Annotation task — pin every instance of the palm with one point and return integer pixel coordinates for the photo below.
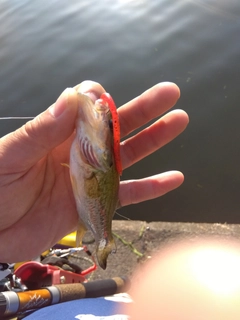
(37, 206)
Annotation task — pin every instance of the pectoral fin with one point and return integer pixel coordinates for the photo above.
(65, 165)
(74, 184)
(80, 234)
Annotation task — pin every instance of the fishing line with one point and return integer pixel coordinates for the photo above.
(16, 118)
(122, 216)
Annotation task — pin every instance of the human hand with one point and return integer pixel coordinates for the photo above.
(37, 206)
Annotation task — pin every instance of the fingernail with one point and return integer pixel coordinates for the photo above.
(86, 88)
(60, 105)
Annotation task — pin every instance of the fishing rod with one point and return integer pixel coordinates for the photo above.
(13, 303)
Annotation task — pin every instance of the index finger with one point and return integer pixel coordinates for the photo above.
(149, 105)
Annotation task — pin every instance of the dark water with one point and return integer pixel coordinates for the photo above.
(128, 46)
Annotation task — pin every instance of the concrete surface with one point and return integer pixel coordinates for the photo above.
(137, 241)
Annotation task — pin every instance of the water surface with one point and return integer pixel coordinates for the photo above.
(128, 46)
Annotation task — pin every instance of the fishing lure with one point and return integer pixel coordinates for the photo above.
(107, 99)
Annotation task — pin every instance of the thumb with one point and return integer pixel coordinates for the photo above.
(24, 147)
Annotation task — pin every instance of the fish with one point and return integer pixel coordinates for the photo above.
(95, 169)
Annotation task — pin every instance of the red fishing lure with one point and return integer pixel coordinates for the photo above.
(116, 130)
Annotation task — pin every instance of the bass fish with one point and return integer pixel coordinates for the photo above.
(95, 168)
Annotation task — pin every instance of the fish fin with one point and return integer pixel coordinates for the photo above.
(104, 248)
(80, 234)
(74, 184)
(65, 165)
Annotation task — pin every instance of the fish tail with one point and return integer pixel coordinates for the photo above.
(104, 248)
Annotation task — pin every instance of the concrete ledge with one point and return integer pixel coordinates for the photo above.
(138, 240)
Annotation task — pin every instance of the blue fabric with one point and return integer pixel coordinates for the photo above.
(82, 309)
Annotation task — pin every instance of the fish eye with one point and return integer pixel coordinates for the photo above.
(110, 123)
